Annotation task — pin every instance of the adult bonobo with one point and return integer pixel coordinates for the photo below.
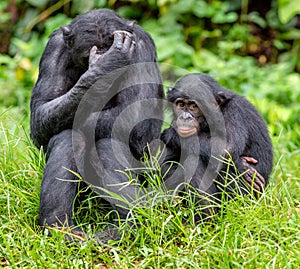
(88, 50)
(212, 123)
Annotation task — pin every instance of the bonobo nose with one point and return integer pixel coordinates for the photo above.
(186, 116)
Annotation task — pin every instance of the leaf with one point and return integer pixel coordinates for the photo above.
(287, 9)
(225, 18)
(37, 3)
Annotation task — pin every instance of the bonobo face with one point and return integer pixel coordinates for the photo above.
(186, 114)
(83, 43)
(80, 41)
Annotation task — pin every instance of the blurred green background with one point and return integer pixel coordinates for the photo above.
(251, 47)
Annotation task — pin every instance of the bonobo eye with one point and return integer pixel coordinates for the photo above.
(193, 106)
(180, 103)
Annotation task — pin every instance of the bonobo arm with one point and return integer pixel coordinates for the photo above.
(56, 95)
(171, 141)
(236, 130)
(237, 135)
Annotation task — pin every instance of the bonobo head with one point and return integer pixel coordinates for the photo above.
(186, 115)
(195, 98)
(94, 28)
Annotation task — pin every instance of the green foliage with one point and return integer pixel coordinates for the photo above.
(15, 80)
(214, 37)
(181, 29)
(288, 9)
(4, 16)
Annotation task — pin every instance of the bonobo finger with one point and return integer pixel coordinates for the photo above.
(123, 34)
(132, 47)
(255, 180)
(251, 183)
(261, 179)
(127, 42)
(122, 40)
(261, 186)
(118, 39)
(258, 178)
(249, 159)
(93, 52)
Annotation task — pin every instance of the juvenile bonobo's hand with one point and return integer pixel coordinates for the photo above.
(119, 54)
(252, 178)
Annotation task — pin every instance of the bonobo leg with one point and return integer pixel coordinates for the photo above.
(115, 186)
(205, 193)
(111, 177)
(59, 185)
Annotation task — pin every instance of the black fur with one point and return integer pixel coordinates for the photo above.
(65, 75)
(245, 133)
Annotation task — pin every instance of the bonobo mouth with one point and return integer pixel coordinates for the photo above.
(186, 131)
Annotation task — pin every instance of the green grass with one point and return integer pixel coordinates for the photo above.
(251, 234)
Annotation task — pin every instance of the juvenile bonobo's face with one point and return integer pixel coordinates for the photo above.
(187, 115)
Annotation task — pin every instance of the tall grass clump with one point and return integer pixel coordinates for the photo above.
(248, 233)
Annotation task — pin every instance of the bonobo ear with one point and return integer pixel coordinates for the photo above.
(131, 24)
(222, 98)
(170, 89)
(68, 36)
(173, 94)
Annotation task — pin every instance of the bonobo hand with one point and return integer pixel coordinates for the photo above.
(119, 54)
(252, 178)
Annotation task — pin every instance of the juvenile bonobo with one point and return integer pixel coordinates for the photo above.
(77, 56)
(212, 123)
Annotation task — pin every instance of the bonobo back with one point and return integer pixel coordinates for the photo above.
(65, 74)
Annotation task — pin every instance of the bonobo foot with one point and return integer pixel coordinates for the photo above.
(76, 234)
(109, 233)
(253, 179)
(71, 234)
